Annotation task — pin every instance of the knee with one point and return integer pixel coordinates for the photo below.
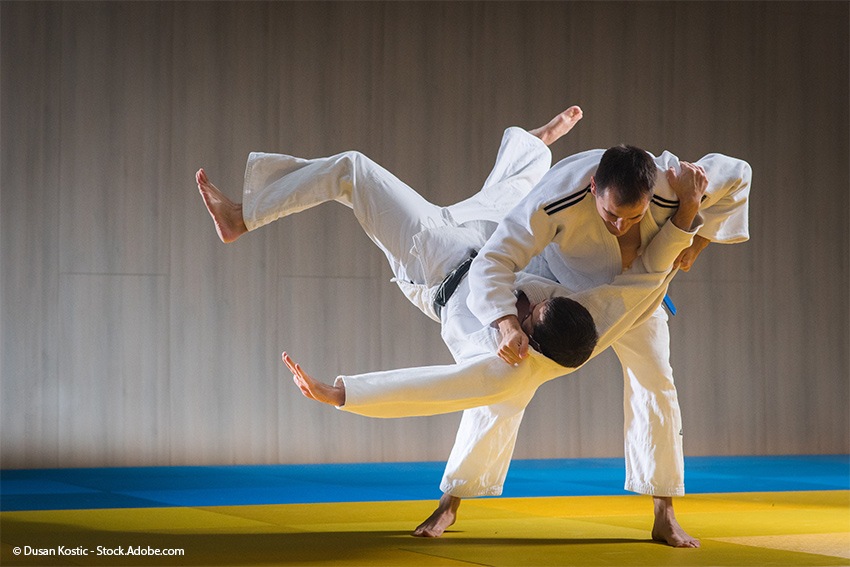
(356, 162)
(657, 381)
(351, 156)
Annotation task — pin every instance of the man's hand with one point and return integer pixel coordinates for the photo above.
(514, 345)
(689, 185)
(312, 388)
(689, 255)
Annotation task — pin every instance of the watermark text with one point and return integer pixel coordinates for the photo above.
(100, 550)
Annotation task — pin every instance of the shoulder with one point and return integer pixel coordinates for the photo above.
(566, 184)
(560, 204)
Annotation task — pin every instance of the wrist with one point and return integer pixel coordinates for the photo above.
(700, 242)
(684, 216)
(507, 323)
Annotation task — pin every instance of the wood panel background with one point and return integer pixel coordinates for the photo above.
(132, 336)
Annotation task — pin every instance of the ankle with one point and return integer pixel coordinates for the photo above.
(663, 507)
(449, 502)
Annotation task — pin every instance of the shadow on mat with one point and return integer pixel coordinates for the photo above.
(225, 547)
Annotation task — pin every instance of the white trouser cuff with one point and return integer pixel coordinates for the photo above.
(469, 490)
(648, 489)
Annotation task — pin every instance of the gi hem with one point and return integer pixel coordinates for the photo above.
(461, 491)
(648, 489)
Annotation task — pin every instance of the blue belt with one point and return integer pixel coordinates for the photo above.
(668, 303)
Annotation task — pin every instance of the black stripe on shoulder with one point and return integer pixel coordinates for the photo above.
(662, 201)
(566, 202)
(665, 203)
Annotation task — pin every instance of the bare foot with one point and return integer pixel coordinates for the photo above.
(666, 529)
(558, 126)
(440, 519)
(312, 388)
(226, 214)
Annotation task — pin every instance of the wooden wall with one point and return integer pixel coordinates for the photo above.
(132, 336)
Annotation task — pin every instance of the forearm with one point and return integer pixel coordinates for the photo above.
(665, 247)
(685, 215)
(508, 324)
(492, 275)
(431, 390)
(491, 281)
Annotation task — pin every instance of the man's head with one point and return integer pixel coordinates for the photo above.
(622, 186)
(561, 329)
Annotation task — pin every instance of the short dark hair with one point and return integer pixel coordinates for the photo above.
(629, 171)
(566, 332)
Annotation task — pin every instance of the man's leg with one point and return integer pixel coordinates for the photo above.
(486, 437)
(558, 126)
(440, 519)
(479, 460)
(653, 425)
(389, 211)
(276, 185)
(521, 162)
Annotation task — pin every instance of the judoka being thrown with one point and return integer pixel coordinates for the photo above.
(429, 248)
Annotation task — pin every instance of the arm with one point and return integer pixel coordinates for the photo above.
(635, 294)
(432, 390)
(492, 276)
(726, 208)
(689, 185)
(429, 390)
(689, 255)
(523, 234)
(485, 379)
(618, 306)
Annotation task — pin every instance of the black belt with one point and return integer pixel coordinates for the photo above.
(450, 283)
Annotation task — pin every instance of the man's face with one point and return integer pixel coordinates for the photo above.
(618, 219)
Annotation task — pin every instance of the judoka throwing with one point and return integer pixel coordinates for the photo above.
(587, 221)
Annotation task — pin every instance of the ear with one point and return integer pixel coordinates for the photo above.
(593, 186)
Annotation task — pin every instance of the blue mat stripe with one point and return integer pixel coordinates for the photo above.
(145, 487)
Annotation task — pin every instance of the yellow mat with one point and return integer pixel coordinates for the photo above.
(776, 528)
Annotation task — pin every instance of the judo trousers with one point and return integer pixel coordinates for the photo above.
(393, 215)
(479, 461)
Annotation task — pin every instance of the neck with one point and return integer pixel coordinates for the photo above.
(523, 305)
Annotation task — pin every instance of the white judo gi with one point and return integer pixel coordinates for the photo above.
(481, 380)
(422, 242)
(558, 222)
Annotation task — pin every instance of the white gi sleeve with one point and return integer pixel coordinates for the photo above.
(520, 237)
(486, 379)
(523, 234)
(633, 295)
(725, 208)
(432, 390)
(665, 247)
